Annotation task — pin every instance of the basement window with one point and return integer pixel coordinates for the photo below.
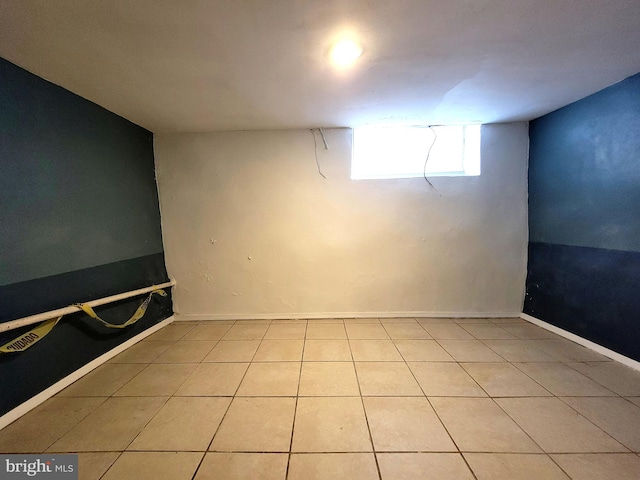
(406, 152)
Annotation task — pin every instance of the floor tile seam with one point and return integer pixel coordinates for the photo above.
(393, 339)
(173, 395)
(115, 393)
(120, 452)
(160, 450)
(224, 415)
(466, 462)
(195, 340)
(304, 335)
(399, 352)
(330, 339)
(532, 439)
(148, 421)
(166, 399)
(284, 452)
(344, 329)
(421, 387)
(519, 370)
(132, 378)
(364, 410)
(493, 452)
(561, 339)
(185, 333)
(368, 339)
(257, 348)
(517, 320)
(424, 395)
(295, 406)
(517, 365)
(261, 338)
(182, 363)
(593, 453)
(384, 452)
(438, 341)
(484, 342)
(513, 337)
(373, 451)
(195, 472)
(417, 361)
(277, 361)
(104, 400)
(545, 454)
(473, 378)
(59, 436)
(570, 365)
(434, 410)
(105, 451)
(558, 465)
(157, 356)
(561, 398)
(166, 396)
(463, 369)
(235, 393)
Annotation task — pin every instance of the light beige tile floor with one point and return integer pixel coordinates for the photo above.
(406, 399)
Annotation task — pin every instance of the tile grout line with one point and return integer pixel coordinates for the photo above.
(514, 366)
(492, 398)
(295, 407)
(364, 410)
(153, 416)
(208, 449)
(435, 411)
(463, 369)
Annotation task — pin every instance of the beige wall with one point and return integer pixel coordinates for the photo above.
(252, 230)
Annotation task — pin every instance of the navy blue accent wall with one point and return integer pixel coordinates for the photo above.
(79, 220)
(584, 218)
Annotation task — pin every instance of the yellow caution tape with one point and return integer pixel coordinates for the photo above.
(26, 340)
(34, 335)
(139, 313)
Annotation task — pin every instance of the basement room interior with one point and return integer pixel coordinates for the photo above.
(298, 240)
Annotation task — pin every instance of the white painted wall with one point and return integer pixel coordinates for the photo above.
(252, 230)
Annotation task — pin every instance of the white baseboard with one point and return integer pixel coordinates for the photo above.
(277, 316)
(33, 402)
(629, 362)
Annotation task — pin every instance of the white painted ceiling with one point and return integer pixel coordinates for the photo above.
(187, 65)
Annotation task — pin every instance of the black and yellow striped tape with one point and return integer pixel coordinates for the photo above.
(30, 338)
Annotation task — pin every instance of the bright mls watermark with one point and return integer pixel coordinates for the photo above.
(52, 467)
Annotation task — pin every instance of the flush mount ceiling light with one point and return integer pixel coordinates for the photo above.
(345, 53)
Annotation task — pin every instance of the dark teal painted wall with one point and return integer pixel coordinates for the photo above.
(77, 187)
(585, 171)
(79, 220)
(584, 218)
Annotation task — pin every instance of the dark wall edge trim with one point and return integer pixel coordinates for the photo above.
(596, 347)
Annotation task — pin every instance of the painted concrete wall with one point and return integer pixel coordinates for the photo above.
(584, 211)
(251, 229)
(79, 220)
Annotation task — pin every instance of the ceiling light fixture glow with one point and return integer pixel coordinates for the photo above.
(345, 53)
